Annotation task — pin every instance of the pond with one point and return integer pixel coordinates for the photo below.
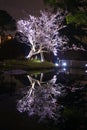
(50, 100)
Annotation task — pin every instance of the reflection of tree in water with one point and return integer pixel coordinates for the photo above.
(51, 100)
(41, 99)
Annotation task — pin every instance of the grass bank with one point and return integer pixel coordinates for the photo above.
(25, 64)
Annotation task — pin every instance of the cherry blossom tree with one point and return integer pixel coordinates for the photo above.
(43, 32)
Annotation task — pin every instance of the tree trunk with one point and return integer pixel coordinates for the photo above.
(42, 56)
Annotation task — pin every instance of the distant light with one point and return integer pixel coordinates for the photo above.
(64, 69)
(86, 65)
(64, 64)
(56, 64)
(9, 37)
(85, 71)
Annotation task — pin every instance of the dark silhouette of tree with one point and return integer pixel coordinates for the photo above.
(7, 23)
(13, 49)
(69, 5)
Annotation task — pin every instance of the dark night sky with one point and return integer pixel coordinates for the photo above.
(19, 8)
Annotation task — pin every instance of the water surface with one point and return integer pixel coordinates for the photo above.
(52, 100)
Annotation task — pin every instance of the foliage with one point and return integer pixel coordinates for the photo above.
(76, 8)
(20, 37)
(69, 5)
(79, 18)
(76, 16)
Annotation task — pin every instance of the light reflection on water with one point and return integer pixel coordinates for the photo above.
(59, 96)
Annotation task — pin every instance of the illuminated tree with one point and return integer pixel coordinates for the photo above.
(43, 32)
